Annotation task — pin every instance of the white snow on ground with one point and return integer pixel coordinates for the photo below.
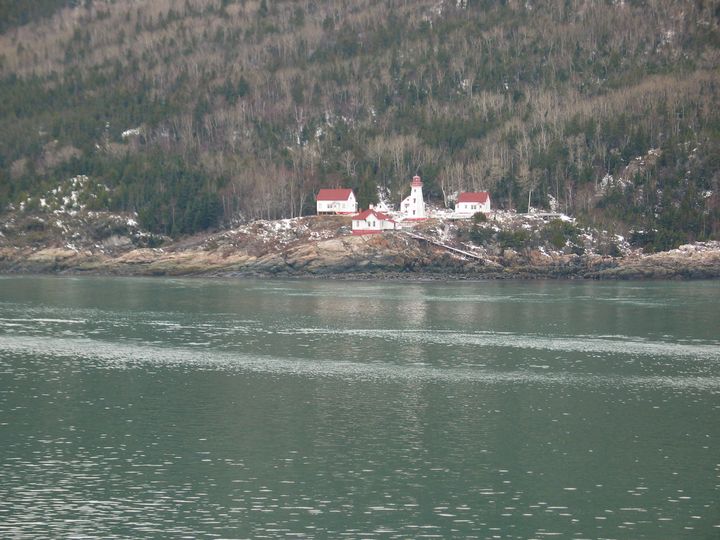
(134, 132)
(553, 203)
(608, 182)
(278, 225)
(698, 247)
(384, 204)
(542, 251)
(440, 213)
(282, 231)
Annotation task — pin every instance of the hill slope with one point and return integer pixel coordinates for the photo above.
(207, 111)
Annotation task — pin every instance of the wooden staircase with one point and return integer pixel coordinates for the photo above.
(443, 246)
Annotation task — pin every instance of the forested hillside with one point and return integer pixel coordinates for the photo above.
(199, 112)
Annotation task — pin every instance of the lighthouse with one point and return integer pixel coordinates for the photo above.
(413, 206)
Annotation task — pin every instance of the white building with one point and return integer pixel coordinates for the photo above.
(413, 206)
(372, 222)
(470, 203)
(336, 201)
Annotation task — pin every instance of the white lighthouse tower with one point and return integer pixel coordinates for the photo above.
(413, 206)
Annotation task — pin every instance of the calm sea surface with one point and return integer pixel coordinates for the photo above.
(134, 408)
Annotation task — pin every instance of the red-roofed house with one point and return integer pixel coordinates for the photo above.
(372, 222)
(336, 201)
(470, 203)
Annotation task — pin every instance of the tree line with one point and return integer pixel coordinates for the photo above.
(244, 109)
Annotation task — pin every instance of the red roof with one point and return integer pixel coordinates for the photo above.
(367, 213)
(474, 196)
(416, 182)
(334, 194)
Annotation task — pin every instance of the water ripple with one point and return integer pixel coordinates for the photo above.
(127, 355)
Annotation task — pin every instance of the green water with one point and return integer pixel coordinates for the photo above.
(136, 408)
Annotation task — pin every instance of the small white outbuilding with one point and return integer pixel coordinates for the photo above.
(372, 222)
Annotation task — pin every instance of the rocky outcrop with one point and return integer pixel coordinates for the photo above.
(393, 255)
(324, 247)
(693, 261)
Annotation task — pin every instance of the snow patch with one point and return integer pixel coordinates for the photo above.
(134, 132)
(609, 182)
(552, 201)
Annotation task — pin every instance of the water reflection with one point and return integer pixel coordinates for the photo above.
(151, 408)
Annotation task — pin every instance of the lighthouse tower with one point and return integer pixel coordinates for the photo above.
(413, 206)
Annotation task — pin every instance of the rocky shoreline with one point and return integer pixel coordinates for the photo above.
(323, 247)
(387, 256)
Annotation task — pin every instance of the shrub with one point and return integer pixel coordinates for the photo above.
(656, 239)
(609, 248)
(35, 225)
(481, 235)
(559, 232)
(513, 239)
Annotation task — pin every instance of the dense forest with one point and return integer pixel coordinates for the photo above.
(198, 113)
